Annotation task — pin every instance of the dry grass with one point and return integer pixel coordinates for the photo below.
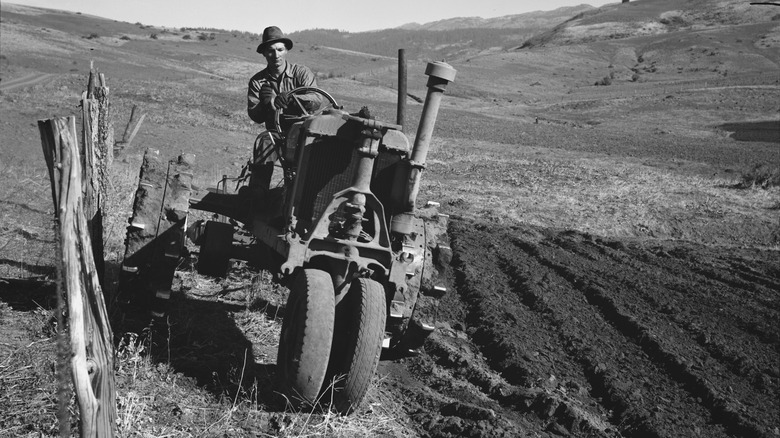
(762, 176)
(596, 194)
(25, 220)
(27, 360)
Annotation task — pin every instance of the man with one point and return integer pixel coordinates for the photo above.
(268, 92)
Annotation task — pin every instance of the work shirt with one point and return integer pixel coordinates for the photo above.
(260, 104)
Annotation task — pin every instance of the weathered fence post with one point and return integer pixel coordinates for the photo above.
(91, 339)
(97, 153)
(133, 125)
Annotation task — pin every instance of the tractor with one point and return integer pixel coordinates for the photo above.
(364, 265)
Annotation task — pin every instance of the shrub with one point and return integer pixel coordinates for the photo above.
(125, 37)
(186, 37)
(606, 80)
(673, 21)
(92, 36)
(153, 36)
(761, 176)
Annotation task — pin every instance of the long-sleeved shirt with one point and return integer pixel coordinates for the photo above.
(260, 105)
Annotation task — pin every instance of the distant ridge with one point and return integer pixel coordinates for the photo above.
(537, 19)
(645, 17)
(453, 38)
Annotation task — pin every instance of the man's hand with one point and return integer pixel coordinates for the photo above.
(281, 101)
(267, 94)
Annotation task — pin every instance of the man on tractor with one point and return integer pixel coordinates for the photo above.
(268, 94)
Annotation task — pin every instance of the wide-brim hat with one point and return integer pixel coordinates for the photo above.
(271, 35)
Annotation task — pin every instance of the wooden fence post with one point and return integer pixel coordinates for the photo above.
(91, 339)
(133, 125)
(97, 155)
(105, 122)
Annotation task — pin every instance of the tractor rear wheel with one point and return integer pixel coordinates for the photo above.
(357, 343)
(307, 333)
(214, 259)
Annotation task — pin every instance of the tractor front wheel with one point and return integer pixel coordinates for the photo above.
(357, 343)
(307, 333)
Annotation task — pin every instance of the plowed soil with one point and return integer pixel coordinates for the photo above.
(573, 334)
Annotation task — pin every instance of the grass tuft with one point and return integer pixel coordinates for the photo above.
(761, 176)
(27, 362)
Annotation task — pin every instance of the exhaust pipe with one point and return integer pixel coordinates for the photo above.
(401, 110)
(439, 75)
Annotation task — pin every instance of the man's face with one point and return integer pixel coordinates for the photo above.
(275, 55)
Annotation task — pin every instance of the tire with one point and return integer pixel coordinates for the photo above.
(307, 333)
(214, 257)
(357, 343)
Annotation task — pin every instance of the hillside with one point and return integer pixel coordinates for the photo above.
(653, 17)
(448, 39)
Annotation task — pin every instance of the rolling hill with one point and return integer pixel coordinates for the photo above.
(641, 18)
(446, 39)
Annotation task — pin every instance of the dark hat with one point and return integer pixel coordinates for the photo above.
(271, 35)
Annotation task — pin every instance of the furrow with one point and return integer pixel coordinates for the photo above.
(751, 275)
(518, 342)
(606, 384)
(725, 410)
(692, 304)
(618, 370)
(549, 404)
(662, 293)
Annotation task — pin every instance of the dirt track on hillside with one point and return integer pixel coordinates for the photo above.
(560, 333)
(25, 81)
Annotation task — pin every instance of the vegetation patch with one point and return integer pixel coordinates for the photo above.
(761, 176)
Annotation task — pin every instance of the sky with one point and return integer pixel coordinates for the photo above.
(290, 16)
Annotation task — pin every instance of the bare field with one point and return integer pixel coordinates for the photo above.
(616, 259)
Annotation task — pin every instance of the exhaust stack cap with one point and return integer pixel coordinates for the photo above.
(441, 70)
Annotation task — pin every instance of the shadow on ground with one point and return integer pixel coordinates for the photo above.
(24, 295)
(200, 339)
(764, 131)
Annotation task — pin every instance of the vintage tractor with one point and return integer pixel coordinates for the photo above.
(363, 264)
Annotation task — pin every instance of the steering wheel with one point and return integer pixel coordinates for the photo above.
(305, 90)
